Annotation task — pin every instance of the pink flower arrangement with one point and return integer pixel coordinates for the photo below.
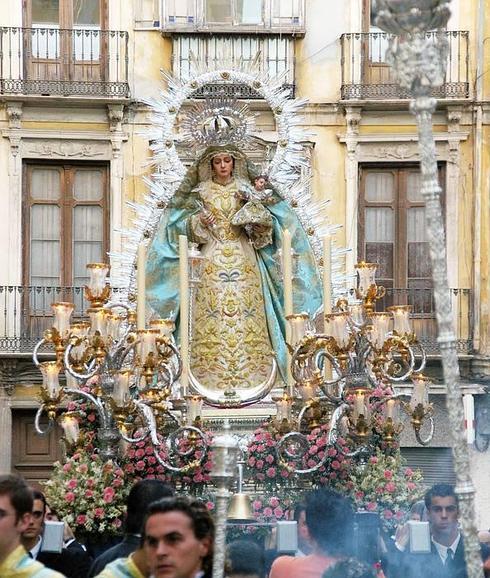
(89, 495)
(383, 485)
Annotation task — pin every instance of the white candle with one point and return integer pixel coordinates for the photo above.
(287, 271)
(71, 428)
(141, 283)
(184, 311)
(194, 407)
(359, 405)
(390, 408)
(469, 417)
(327, 273)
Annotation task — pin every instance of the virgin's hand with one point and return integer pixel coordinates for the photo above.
(207, 218)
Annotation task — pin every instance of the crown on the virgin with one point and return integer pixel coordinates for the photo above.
(216, 122)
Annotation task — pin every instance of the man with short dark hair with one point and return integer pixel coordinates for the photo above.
(304, 540)
(244, 559)
(446, 558)
(72, 563)
(178, 535)
(330, 522)
(142, 494)
(15, 516)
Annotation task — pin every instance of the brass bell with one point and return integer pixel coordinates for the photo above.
(240, 509)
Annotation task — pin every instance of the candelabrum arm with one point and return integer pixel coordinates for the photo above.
(425, 441)
(95, 401)
(93, 367)
(37, 347)
(37, 422)
(302, 442)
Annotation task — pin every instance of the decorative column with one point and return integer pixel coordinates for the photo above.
(419, 62)
(352, 119)
(6, 390)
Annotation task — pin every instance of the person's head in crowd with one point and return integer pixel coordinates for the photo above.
(350, 568)
(33, 532)
(442, 513)
(15, 513)
(141, 495)
(484, 536)
(304, 540)
(330, 521)
(244, 559)
(178, 535)
(418, 512)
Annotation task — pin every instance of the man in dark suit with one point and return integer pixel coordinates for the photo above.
(73, 563)
(142, 494)
(446, 559)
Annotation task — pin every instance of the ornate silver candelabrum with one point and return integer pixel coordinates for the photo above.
(131, 372)
(420, 64)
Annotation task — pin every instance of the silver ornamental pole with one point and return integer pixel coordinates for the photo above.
(419, 60)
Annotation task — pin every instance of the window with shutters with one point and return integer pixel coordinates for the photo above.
(392, 233)
(65, 226)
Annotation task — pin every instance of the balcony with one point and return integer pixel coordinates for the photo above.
(25, 312)
(366, 76)
(275, 56)
(423, 315)
(233, 16)
(64, 62)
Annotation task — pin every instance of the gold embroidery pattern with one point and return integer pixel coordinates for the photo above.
(230, 344)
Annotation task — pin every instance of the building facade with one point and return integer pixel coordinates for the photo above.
(74, 76)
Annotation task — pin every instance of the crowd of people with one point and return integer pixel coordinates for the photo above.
(172, 536)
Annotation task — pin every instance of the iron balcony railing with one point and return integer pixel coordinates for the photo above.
(367, 76)
(25, 312)
(423, 316)
(272, 55)
(64, 62)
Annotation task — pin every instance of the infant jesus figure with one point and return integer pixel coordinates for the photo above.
(253, 216)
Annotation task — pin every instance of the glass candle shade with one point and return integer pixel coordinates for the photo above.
(299, 324)
(357, 313)
(113, 325)
(283, 408)
(193, 408)
(337, 325)
(50, 371)
(121, 386)
(401, 318)
(391, 410)
(71, 428)
(420, 392)
(307, 391)
(98, 321)
(147, 345)
(97, 278)
(225, 455)
(165, 327)
(71, 381)
(367, 276)
(62, 313)
(360, 405)
(196, 262)
(381, 327)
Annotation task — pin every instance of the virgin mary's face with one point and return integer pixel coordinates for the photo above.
(222, 165)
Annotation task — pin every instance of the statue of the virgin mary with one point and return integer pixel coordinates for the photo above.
(238, 307)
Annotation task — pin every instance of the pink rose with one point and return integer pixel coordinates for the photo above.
(269, 459)
(278, 512)
(99, 512)
(117, 523)
(335, 465)
(83, 468)
(210, 506)
(260, 476)
(359, 495)
(371, 506)
(267, 512)
(390, 487)
(69, 497)
(72, 484)
(149, 451)
(373, 460)
(331, 452)
(67, 467)
(117, 483)
(270, 472)
(259, 464)
(81, 519)
(409, 472)
(140, 453)
(91, 417)
(129, 468)
(89, 493)
(284, 474)
(274, 502)
(387, 514)
(108, 495)
(313, 450)
(261, 448)
(411, 486)
(72, 406)
(90, 483)
(140, 465)
(251, 461)
(388, 474)
(257, 504)
(151, 460)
